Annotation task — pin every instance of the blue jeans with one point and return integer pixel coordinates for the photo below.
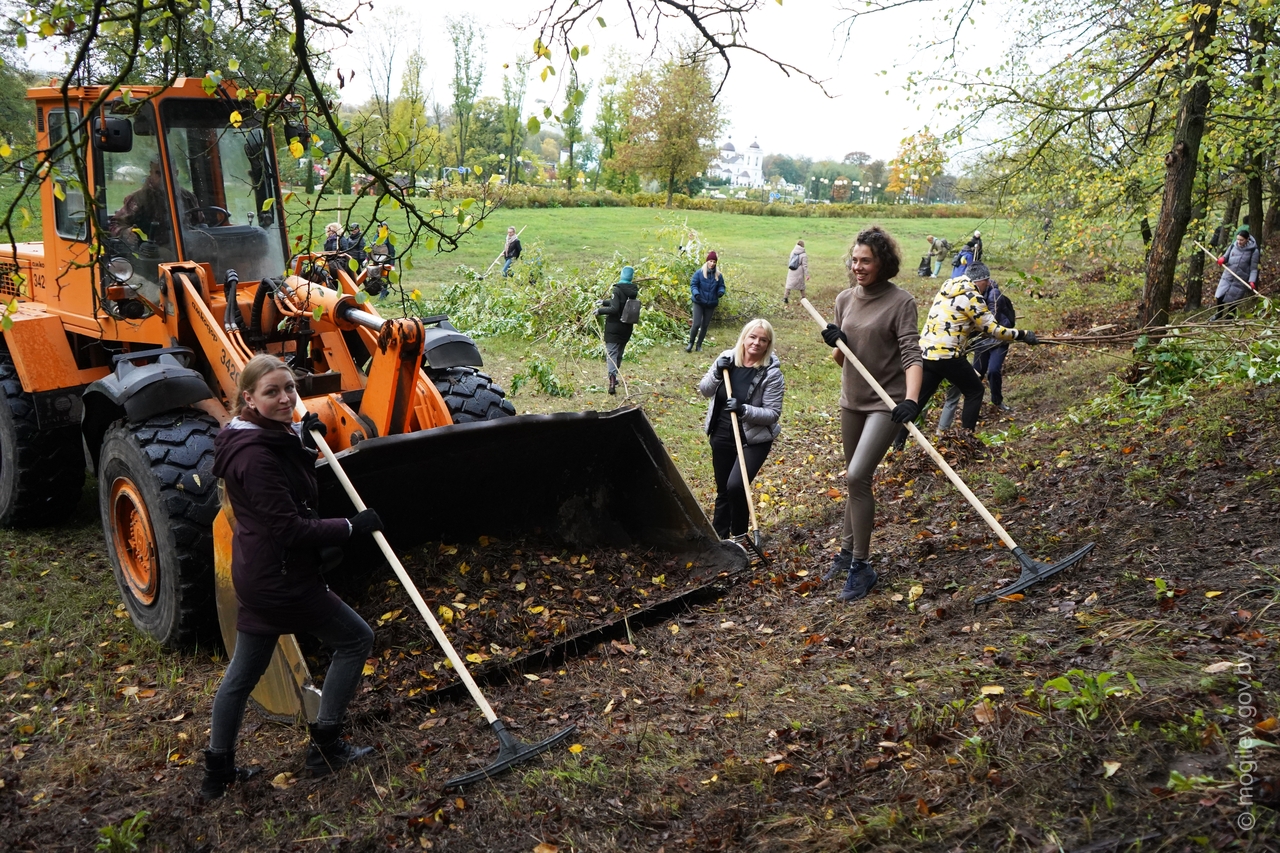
(346, 633)
(506, 267)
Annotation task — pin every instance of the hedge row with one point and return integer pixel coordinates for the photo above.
(521, 195)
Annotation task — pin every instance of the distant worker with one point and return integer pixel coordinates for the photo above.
(977, 245)
(960, 263)
(876, 319)
(755, 373)
(332, 236)
(797, 272)
(988, 359)
(353, 243)
(1239, 263)
(619, 322)
(511, 252)
(706, 287)
(939, 251)
(959, 312)
(266, 463)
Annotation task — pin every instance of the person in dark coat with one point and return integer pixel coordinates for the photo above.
(332, 236)
(706, 288)
(353, 243)
(617, 331)
(266, 465)
(511, 252)
(756, 376)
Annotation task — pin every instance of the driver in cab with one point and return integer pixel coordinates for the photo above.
(144, 215)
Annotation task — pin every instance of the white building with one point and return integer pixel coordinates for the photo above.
(740, 169)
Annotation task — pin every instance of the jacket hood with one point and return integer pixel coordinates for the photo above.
(233, 439)
(1252, 244)
(628, 289)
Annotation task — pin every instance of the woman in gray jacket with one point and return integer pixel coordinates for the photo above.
(1240, 265)
(756, 376)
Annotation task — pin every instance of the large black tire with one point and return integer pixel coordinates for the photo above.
(471, 395)
(158, 498)
(41, 471)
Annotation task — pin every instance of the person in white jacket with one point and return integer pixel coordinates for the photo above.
(797, 272)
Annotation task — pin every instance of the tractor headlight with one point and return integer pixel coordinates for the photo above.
(120, 270)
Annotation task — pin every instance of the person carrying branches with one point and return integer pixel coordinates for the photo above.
(619, 321)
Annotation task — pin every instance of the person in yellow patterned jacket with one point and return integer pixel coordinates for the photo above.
(958, 313)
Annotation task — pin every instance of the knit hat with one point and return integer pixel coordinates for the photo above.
(626, 275)
(978, 271)
(712, 256)
(977, 233)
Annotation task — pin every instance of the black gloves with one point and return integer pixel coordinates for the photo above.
(311, 421)
(831, 334)
(907, 410)
(365, 521)
(733, 404)
(723, 363)
(1029, 337)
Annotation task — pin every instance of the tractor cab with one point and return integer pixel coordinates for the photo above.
(175, 175)
(183, 183)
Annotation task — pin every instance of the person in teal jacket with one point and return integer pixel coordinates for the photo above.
(617, 331)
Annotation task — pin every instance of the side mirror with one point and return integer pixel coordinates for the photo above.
(112, 134)
(297, 131)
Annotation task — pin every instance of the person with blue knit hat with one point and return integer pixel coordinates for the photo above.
(620, 311)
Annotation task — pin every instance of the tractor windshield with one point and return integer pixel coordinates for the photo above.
(225, 189)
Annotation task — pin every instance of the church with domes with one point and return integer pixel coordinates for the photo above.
(739, 168)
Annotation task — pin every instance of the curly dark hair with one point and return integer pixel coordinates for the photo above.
(885, 249)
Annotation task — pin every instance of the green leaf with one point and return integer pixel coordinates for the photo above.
(573, 54)
(317, 313)
(361, 297)
(1059, 683)
(584, 50)
(466, 203)
(6, 322)
(533, 125)
(208, 26)
(600, 21)
(233, 65)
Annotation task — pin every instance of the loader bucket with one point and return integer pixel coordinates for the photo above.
(584, 479)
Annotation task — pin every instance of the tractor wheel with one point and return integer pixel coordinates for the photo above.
(158, 498)
(41, 471)
(471, 395)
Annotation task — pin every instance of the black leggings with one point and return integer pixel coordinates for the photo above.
(963, 376)
(731, 516)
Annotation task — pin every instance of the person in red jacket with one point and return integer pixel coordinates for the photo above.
(266, 464)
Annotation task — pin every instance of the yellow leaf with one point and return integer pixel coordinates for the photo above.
(520, 586)
(387, 617)
(5, 150)
(673, 628)
(236, 118)
(576, 748)
(781, 767)
(1213, 593)
(283, 781)
(446, 614)
(296, 149)
(531, 677)
(992, 690)
(915, 592)
(544, 847)
(1109, 768)
(659, 579)
(536, 609)
(369, 668)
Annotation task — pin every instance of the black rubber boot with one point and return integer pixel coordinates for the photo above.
(329, 752)
(613, 385)
(839, 565)
(689, 348)
(220, 772)
(862, 579)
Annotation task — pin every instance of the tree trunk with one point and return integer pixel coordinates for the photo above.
(1180, 172)
(1195, 266)
(671, 187)
(1273, 210)
(1257, 213)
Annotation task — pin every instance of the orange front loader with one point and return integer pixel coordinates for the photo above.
(163, 269)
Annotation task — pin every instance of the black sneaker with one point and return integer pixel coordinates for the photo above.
(862, 579)
(839, 565)
(1002, 406)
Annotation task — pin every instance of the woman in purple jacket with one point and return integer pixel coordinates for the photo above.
(266, 463)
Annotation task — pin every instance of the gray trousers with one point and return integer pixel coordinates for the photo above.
(866, 437)
(346, 633)
(613, 356)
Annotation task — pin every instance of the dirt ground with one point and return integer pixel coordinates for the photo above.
(773, 717)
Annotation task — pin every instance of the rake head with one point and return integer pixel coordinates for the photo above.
(510, 753)
(1033, 571)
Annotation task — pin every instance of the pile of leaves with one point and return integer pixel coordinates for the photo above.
(501, 601)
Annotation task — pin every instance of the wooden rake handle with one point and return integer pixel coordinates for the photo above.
(1225, 267)
(918, 436)
(458, 665)
(742, 459)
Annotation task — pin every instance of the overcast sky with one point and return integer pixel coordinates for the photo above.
(868, 111)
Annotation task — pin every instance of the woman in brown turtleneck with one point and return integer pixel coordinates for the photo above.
(877, 320)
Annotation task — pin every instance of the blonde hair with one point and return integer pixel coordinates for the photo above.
(257, 367)
(333, 226)
(739, 349)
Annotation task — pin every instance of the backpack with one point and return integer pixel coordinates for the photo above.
(630, 311)
(794, 263)
(1004, 308)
